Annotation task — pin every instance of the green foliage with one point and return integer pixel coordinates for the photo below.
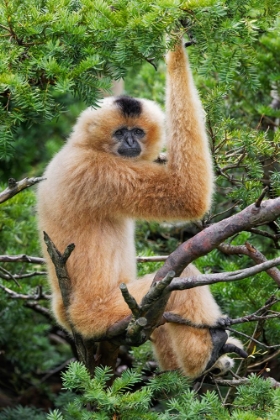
(141, 356)
(259, 397)
(56, 47)
(123, 400)
(18, 224)
(56, 57)
(23, 332)
(254, 401)
(22, 413)
(105, 401)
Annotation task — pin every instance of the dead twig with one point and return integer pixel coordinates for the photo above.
(15, 187)
(22, 258)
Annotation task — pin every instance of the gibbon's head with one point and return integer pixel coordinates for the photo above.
(126, 127)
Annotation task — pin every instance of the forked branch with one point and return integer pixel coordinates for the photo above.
(137, 328)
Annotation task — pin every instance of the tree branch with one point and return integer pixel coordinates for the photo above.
(40, 309)
(22, 258)
(155, 258)
(253, 253)
(14, 295)
(15, 187)
(136, 328)
(252, 339)
(244, 381)
(260, 314)
(214, 235)
(203, 279)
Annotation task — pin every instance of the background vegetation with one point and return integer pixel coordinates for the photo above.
(56, 57)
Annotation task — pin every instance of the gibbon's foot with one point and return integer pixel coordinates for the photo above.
(219, 338)
(232, 348)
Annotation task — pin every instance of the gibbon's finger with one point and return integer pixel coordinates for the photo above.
(232, 348)
(223, 321)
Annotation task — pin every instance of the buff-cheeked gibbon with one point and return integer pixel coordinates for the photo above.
(102, 180)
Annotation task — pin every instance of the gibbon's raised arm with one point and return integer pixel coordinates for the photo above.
(134, 186)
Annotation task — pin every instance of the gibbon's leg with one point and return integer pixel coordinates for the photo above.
(182, 347)
(187, 347)
(92, 316)
(179, 346)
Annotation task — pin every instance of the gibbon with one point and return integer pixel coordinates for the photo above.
(102, 180)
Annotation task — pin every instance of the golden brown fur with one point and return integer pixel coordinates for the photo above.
(92, 195)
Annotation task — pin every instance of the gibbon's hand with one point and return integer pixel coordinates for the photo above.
(223, 321)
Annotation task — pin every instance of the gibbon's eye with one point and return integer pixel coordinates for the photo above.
(120, 133)
(138, 132)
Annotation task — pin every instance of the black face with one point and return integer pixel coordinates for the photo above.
(129, 140)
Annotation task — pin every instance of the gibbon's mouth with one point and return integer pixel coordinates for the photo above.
(129, 153)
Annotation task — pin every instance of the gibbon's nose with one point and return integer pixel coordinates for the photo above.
(130, 140)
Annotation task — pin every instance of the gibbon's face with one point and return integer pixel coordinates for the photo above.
(129, 141)
(123, 126)
(131, 137)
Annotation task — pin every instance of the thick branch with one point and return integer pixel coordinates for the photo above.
(211, 237)
(151, 309)
(15, 187)
(153, 304)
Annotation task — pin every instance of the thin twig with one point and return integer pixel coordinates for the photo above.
(261, 197)
(15, 187)
(253, 339)
(23, 276)
(155, 258)
(267, 359)
(15, 295)
(22, 258)
(8, 275)
(203, 279)
(251, 252)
